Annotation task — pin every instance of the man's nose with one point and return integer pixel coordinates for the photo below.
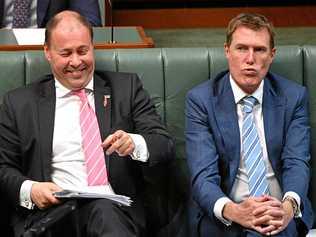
(250, 57)
(75, 60)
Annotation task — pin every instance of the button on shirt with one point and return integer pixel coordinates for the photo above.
(240, 190)
(69, 171)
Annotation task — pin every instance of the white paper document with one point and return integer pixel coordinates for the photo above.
(93, 192)
(29, 36)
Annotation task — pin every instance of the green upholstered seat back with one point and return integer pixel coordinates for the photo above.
(12, 71)
(167, 74)
(310, 82)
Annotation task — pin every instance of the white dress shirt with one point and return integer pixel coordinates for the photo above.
(8, 14)
(240, 190)
(68, 165)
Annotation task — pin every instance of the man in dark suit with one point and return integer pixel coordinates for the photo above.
(46, 9)
(43, 151)
(246, 123)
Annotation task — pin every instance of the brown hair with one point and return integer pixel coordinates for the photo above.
(55, 20)
(250, 20)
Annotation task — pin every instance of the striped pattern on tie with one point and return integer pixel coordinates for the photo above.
(21, 13)
(91, 141)
(252, 151)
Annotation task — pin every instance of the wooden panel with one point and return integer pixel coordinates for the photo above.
(218, 3)
(124, 37)
(291, 16)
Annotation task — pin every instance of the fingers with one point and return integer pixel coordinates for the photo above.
(270, 227)
(273, 207)
(270, 216)
(274, 217)
(277, 223)
(265, 230)
(265, 198)
(119, 142)
(277, 231)
(42, 194)
(262, 198)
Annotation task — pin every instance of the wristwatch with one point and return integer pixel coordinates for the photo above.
(294, 205)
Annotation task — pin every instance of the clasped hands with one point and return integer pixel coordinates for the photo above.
(42, 192)
(265, 214)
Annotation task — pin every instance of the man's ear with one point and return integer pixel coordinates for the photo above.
(47, 52)
(226, 49)
(273, 52)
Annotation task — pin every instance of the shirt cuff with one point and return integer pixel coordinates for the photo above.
(297, 199)
(218, 210)
(25, 194)
(140, 152)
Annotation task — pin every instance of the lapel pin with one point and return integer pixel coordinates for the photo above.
(105, 101)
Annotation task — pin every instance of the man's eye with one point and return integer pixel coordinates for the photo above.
(242, 48)
(64, 54)
(82, 52)
(260, 50)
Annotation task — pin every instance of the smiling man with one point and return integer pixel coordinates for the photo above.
(79, 129)
(247, 142)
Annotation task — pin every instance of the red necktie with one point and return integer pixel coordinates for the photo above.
(91, 141)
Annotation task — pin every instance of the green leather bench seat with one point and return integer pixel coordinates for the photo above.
(310, 82)
(167, 74)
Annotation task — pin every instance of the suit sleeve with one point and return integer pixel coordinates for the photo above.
(296, 152)
(202, 155)
(11, 177)
(148, 124)
(90, 9)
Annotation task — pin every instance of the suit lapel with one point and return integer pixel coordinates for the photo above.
(46, 109)
(227, 120)
(273, 116)
(102, 93)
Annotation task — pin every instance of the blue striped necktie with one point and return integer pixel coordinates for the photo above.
(252, 151)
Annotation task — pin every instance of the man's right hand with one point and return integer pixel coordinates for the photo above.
(42, 194)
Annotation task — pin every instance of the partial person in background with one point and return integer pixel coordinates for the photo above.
(36, 13)
(80, 129)
(248, 142)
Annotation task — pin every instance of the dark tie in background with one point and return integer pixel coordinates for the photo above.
(21, 13)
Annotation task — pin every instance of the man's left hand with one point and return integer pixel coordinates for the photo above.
(286, 218)
(274, 217)
(120, 142)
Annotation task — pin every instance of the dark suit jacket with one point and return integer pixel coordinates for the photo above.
(26, 133)
(213, 140)
(46, 9)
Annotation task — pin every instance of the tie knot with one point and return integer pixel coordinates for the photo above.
(248, 103)
(81, 93)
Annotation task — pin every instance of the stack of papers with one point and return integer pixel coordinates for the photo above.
(91, 192)
(29, 36)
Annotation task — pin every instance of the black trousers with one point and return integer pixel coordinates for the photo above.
(93, 218)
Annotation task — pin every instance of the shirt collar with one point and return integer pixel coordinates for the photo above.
(240, 94)
(62, 91)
